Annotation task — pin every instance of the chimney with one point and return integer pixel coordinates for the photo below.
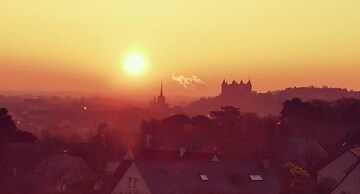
(148, 141)
(129, 155)
(182, 151)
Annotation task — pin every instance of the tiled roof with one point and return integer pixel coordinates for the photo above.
(112, 181)
(340, 167)
(207, 177)
(356, 151)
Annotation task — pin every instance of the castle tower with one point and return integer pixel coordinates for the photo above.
(223, 86)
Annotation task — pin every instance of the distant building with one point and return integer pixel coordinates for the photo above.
(236, 89)
(159, 102)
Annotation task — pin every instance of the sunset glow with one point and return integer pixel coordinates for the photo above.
(275, 43)
(157, 96)
(135, 64)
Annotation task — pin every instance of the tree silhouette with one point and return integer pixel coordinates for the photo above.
(9, 131)
(228, 117)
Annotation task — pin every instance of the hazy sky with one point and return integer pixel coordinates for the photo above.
(80, 45)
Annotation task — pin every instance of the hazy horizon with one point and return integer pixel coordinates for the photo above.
(82, 47)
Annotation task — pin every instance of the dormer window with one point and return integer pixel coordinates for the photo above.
(256, 177)
(204, 177)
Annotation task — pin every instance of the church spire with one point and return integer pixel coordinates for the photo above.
(161, 89)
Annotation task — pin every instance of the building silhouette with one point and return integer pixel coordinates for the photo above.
(235, 89)
(159, 102)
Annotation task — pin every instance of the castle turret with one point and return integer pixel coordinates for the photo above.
(249, 82)
(223, 85)
(249, 85)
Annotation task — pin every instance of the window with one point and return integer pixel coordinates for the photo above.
(204, 177)
(135, 183)
(256, 177)
(129, 182)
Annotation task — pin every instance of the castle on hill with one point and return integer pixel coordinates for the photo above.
(235, 89)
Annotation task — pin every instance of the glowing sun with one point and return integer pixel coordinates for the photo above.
(135, 64)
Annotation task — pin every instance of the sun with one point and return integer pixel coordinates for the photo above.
(135, 64)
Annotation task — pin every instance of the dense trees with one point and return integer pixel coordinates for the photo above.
(335, 125)
(9, 131)
(338, 119)
(343, 112)
(226, 130)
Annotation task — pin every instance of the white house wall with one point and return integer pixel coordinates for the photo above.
(123, 186)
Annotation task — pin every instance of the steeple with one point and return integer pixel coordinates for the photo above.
(159, 101)
(161, 98)
(161, 89)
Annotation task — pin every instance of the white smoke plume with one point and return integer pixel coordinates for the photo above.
(191, 83)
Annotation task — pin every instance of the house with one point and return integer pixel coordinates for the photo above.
(63, 170)
(169, 177)
(349, 184)
(342, 174)
(111, 181)
(305, 152)
(112, 166)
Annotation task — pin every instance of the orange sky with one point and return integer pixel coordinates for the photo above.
(80, 45)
